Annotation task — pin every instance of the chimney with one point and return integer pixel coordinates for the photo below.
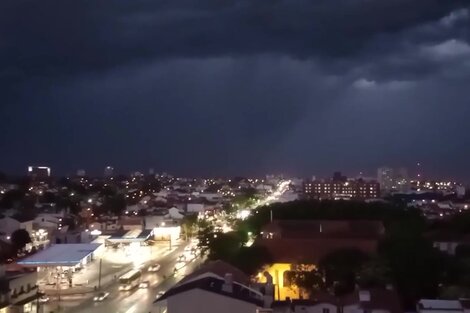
(228, 283)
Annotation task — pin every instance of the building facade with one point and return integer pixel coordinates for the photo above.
(393, 180)
(350, 189)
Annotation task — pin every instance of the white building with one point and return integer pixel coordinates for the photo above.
(9, 224)
(194, 207)
(362, 301)
(19, 290)
(442, 306)
(393, 180)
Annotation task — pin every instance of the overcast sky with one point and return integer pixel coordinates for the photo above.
(211, 87)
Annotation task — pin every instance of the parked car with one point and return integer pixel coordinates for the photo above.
(144, 284)
(101, 296)
(154, 268)
(160, 293)
(43, 299)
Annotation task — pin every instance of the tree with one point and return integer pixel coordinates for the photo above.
(462, 251)
(12, 198)
(224, 246)
(205, 235)
(340, 269)
(114, 204)
(19, 239)
(251, 259)
(308, 280)
(189, 226)
(416, 267)
(374, 274)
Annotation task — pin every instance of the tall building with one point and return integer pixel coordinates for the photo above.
(340, 189)
(81, 173)
(393, 180)
(108, 171)
(39, 172)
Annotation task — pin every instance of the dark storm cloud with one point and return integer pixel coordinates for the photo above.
(53, 37)
(237, 87)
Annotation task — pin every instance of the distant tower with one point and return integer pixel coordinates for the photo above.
(81, 173)
(39, 172)
(151, 171)
(108, 171)
(385, 177)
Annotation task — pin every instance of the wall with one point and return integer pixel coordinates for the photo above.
(23, 281)
(316, 308)
(281, 290)
(201, 301)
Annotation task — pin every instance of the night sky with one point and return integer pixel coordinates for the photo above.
(227, 87)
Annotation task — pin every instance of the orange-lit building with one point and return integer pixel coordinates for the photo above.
(294, 243)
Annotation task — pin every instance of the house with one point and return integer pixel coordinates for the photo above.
(447, 241)
(194, 207)
(206, 291)
(18, 290)
(49, 220)
(9, 224)
(298, 242)
(132, 223)
(360, 301)
(442, 306)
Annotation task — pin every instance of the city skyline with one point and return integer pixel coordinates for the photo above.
(200, 87)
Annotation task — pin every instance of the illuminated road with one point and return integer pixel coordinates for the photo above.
(135, 301)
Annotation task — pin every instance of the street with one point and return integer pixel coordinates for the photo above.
(135, 301)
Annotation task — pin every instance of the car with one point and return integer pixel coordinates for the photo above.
(160, 293)
(181, 258)
(154, 268)
(101, 296)
(43, 299)
(188, 248)
(144, 284)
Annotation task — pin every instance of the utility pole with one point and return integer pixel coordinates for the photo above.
(99, 277)
(37, 301)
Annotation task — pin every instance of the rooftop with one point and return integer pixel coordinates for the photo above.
(214, 285)
(61, 255)
(219, 268)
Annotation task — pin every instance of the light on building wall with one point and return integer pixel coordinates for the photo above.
(95, 232)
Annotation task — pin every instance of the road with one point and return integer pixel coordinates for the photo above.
(135, 301)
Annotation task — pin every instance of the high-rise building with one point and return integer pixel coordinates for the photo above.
(393, 180)
(108, 171)
(39, 172)
(339, 189)
(81, 173)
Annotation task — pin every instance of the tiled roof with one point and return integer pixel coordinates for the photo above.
(311, 250)
(302, 229)
(220, 268)
(214, 285)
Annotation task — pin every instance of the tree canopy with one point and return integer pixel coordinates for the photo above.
(19, 239)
